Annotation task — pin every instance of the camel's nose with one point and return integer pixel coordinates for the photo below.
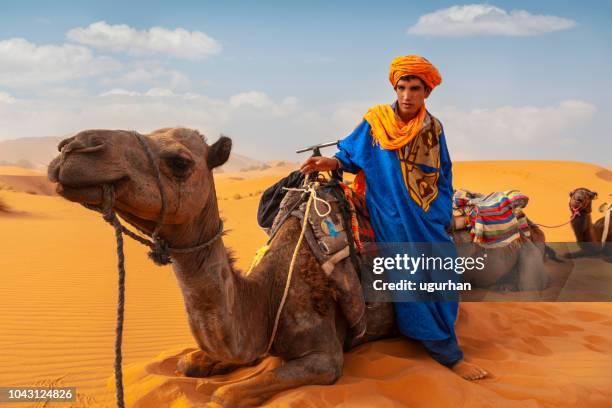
(82, 143)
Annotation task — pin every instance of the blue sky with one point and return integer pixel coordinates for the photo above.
(521, 79)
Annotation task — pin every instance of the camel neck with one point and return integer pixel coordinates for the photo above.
(583, 228)
(227, 313)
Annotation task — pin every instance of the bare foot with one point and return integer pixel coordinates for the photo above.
(469, 371)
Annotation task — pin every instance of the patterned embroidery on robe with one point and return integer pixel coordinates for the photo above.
(421, 183)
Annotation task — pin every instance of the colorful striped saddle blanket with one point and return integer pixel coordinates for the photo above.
(496, 219)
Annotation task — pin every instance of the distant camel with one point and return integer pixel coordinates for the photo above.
(517, 266)
(588, 235)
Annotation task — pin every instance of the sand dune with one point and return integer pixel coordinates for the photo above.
(57, 312)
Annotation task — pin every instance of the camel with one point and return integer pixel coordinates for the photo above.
(517, 266)
(231, 315)
(588, 235)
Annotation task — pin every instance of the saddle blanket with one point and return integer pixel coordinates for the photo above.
(496, 219)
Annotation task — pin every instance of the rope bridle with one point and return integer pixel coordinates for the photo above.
(160, 251)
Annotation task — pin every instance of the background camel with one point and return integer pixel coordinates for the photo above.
(516, 266)
(588, 235)
(231, 315)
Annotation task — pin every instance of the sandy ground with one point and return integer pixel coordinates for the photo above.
(57, 310)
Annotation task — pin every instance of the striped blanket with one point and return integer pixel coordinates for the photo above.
(496, 219)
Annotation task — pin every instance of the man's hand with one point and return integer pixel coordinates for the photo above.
(319, 163)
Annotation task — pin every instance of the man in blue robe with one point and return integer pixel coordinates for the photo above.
(403, 167)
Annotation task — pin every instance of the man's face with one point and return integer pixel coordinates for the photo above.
(411, 95)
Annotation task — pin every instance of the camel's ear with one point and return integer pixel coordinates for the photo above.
(219, 152)
(593, 195)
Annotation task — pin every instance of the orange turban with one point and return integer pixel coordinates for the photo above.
(414, 65)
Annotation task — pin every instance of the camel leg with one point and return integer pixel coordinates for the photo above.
(314, 368)
(532, 274)
(199, 364)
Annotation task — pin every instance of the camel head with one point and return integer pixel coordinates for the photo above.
(581, 199)
(93, 158)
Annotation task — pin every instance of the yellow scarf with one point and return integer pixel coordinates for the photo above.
(389, 132)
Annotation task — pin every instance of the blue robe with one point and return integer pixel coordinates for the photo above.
(396, 217)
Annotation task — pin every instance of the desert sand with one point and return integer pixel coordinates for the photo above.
(58, 303)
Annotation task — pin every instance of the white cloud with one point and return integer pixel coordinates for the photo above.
(266, 127)
(153, 93)
(514, 131)
(151, 76)
(120, 92)
(252, 98)
(260, 100)
(6, 98)
(484, 19)
(23, 64)
(129, 109)
(160, 92)
(178, 43)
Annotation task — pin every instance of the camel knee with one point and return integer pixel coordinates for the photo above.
(325, 368)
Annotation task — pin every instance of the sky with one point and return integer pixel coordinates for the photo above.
(520, 79)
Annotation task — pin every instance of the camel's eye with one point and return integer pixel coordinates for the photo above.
(179, 165)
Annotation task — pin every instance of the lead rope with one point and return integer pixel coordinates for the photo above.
(575, 213)
(108, 202)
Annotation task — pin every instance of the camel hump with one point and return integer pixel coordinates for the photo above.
(331, 234)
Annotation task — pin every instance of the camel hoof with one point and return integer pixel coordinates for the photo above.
(195, 364)
(198, 364)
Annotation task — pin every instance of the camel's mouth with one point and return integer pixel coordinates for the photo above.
(89, 192)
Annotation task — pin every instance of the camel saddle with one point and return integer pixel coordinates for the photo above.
(494, 220)
(336, 240)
